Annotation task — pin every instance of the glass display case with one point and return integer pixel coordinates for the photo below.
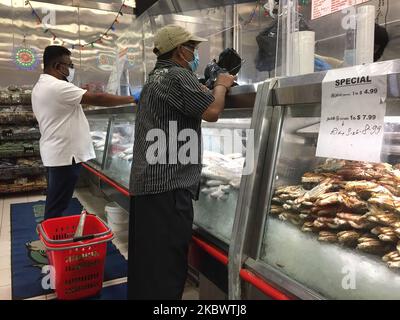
(326, 228)
(224, 152)
(118, 160)
(98, 125)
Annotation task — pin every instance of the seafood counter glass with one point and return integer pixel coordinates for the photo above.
(98, 130)
(118, 161)
(224, 150)
(333, 225)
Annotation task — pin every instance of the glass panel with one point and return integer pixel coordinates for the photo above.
(311, 39)
(224, 145)
(230, 26)
(252, 23)
(332, 225)
(119, 153)
(98, 130)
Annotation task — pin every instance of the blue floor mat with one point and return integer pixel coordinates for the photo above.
(27, 259)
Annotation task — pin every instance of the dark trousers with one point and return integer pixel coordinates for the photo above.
(61, 183)
(160, 231)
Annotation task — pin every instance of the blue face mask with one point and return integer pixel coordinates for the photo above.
(194, 64)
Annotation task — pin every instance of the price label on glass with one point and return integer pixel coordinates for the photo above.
(352, 114)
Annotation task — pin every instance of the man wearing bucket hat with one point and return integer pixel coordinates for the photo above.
(173, 103)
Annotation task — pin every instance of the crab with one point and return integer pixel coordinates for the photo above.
(373, 246)
(291, 217)
(315, 192)
(276, 209)
(327, 236)
(348, 238)
(331, 165)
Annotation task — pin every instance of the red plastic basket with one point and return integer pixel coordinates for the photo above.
(78, 262)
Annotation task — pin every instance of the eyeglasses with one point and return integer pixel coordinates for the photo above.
(193, 48)
(71, 65)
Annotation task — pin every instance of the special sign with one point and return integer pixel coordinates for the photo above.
(352, 114)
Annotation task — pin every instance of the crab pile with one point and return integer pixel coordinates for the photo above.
(355, 204)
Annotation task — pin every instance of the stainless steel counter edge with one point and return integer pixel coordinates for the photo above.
(239, 97)
(306, 89)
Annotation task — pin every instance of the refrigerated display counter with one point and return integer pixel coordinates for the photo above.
(225, 24)
(323, 228)
(225, 143)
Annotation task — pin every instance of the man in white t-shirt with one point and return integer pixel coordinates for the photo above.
(65, 137)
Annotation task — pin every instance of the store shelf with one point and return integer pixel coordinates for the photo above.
(24, 133)
(22, 189)
(8, 98)
(19, 118)
(17, 171)
(21, 169)
(20, 154)
(23, 185)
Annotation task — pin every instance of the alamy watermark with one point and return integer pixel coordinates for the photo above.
(349, 279)
(49, 18)
(48, 280)
(164, 146)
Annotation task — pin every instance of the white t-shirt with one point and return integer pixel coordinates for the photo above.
(62, 123)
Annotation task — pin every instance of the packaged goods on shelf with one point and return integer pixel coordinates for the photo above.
(14, 95)
(19, 149)
(19, 133)
(23, 185)
(17, 117)
(12, 168)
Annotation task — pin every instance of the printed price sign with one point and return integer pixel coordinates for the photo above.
(322, 8)
(352, 114)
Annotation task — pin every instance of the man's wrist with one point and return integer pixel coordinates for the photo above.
(222, 85)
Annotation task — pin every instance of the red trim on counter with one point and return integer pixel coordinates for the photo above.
(112, 183)
(214, 252)
(246, 275)
(261, 285)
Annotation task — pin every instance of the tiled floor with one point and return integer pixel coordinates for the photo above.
(93, 204)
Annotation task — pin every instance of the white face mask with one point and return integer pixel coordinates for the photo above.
(70, 78)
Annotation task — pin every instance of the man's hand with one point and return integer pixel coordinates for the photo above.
(222, 85)
(226, 80)
(321, 65)
(135, 93)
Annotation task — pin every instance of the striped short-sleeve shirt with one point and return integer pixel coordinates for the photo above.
(167, 147)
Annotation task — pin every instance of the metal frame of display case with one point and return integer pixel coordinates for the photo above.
(250, 224)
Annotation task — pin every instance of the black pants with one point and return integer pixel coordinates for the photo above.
(160, 231)
(61, 183)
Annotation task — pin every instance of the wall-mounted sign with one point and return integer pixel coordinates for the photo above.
(131, 55)
(105, 61)
(25, 58)
(322, 8)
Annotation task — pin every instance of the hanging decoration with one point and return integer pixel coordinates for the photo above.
(90, 44)
(25, 58)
